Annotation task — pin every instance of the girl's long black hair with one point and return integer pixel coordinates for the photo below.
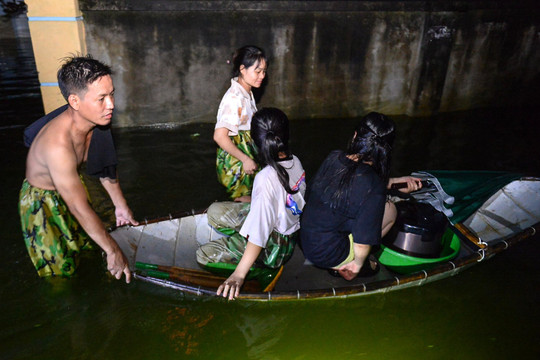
(372, 143)
(270, 133)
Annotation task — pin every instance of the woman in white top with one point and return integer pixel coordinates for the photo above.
(235, 162)
(263, 232)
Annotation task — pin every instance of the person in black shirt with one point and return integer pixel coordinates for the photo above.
(347, 211)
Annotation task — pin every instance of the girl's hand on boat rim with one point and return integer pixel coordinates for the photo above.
(230, 287)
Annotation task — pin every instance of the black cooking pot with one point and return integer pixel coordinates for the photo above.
(417, 231)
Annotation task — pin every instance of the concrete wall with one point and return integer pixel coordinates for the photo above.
(327, 58)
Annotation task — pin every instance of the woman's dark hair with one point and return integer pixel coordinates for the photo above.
(372, 142)
(270, 133)
(247, 56)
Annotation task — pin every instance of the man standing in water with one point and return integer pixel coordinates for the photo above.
(53, 202)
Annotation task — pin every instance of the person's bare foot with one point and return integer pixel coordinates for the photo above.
(243, 198)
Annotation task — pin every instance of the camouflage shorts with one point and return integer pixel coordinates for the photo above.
(53, 237)
(228, 217)
(230, 171)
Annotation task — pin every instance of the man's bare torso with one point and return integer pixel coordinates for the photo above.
(58, 140)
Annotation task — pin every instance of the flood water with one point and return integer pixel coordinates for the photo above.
(489, 311)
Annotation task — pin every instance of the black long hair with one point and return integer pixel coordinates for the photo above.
(371, 143)
(270, 133)
(247, 56)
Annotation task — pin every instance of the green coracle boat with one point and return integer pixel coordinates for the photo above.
(491, 212)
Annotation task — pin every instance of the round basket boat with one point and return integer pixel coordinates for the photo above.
(407, 264)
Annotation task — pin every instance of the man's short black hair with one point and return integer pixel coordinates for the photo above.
(78, 72)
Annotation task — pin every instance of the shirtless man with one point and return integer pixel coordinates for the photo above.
(53, 201)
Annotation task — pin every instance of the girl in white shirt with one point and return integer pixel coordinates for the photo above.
(265, 230)
(235, 162)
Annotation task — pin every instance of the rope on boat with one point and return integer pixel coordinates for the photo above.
(533, 231)
(365, 288)
(170, 216)
(269, 295)
(334, 291)
(482, 242)
(199, 291)
(482, 252)
(397, 279)
(505, 244)
(298, 294)
(453, 265)
(425, 273)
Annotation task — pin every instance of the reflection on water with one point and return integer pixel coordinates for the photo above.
(262, 332)
(487, 312)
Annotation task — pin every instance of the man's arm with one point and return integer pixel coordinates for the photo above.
(123, 213)
(62, 166)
